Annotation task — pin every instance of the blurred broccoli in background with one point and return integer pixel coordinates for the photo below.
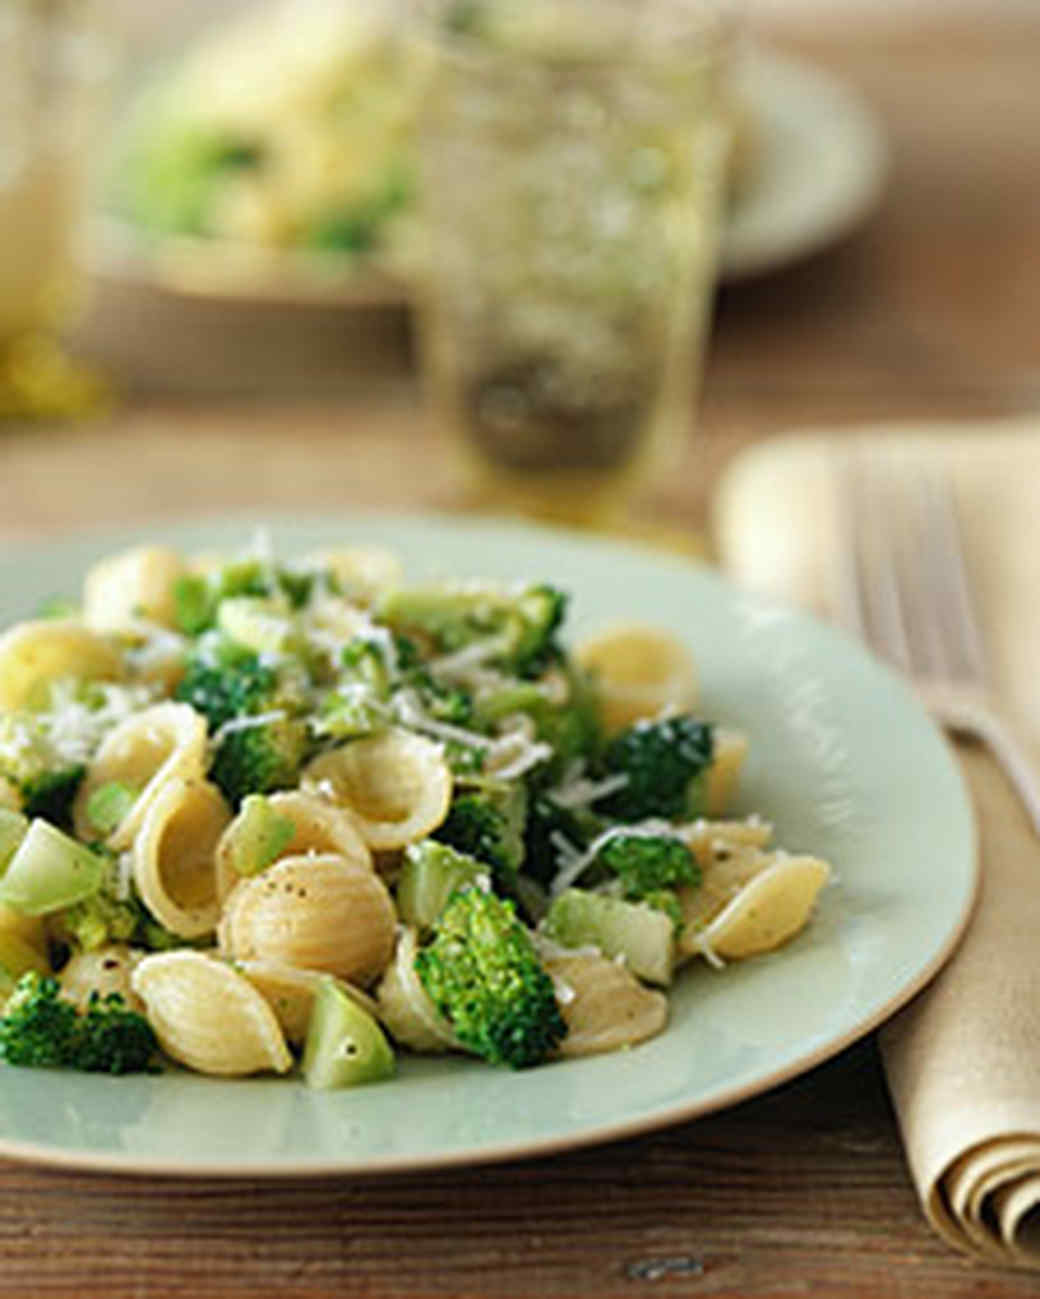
(483, 974)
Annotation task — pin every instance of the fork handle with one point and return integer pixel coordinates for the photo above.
(972, 717)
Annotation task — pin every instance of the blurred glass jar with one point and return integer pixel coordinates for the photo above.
(54, 65)
(572, 157)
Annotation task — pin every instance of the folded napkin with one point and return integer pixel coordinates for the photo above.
(963, 1059)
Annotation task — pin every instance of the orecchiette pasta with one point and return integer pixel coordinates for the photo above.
(133, 587)
(317, 826)
(640, 671)
(315, 912)
(174, 856)
(35, 654)
(144, 753)
(397, 785)
(264, 804)
(208, 1016)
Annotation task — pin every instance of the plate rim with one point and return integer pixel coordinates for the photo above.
(600, 1133)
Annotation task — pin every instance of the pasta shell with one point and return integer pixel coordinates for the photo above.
(404, 1005)
(316, 912)
(362, 571)
(33, 654)
(173, 856)
(208, 1016)
(319, 827)
(640, 672)
(396, 784)
(30, 929)
(768, 910)
(290, 993)
(723, 775)
(135, 584)
(722, 878)
(711, 841)
(145, 751)
(104, 970)
(603, 1004)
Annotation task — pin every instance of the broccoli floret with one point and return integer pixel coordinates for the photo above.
(40, 1029)
(522, 622)
(546, 823)
(225, 682)
(483, 974)
(259, 759)
(572, 727)
(46, 781)
(664, 761)
(645, 863)
(487, 823)
(98, 920)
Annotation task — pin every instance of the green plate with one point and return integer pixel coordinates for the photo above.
(844, 762)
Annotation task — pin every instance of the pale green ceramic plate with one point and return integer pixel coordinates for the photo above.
(842, 760)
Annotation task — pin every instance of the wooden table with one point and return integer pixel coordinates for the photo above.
(931, 311)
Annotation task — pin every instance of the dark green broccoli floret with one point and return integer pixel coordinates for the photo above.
(547, 822)
(40, 1029)
(44, 778)
(487, 823)
(644, 863)
(225, 682)
(483, 974)
(664, 761)
(451, 616)
(98, 920)
(259, 759)
(51, 793)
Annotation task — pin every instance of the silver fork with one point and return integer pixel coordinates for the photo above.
(903, 587)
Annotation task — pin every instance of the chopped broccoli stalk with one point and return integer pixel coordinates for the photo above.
(197, 597)
(644, 863)
(258, 834)
(488, 823)
(518, 624)
(665, 762)
(109, 804)
(345, 1047)
(641, 934)
(483, 974)
(430, 873)
(261, 623)
(40, 1029)
(49, 870)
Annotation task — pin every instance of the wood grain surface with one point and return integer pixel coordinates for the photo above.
(931, 310)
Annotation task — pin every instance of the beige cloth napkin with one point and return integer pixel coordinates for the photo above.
(963, 1059)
